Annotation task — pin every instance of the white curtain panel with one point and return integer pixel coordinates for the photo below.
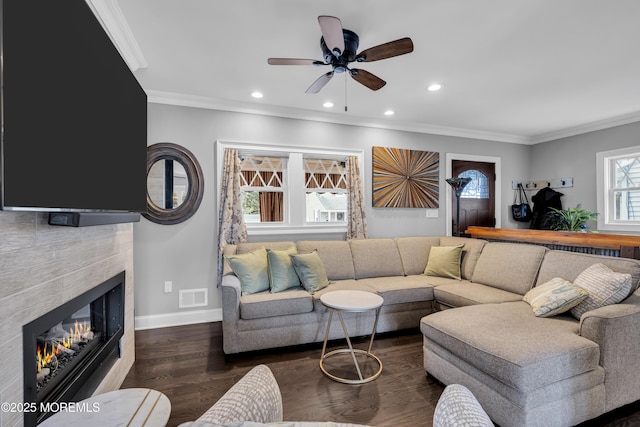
(357, 219)
(231, 226)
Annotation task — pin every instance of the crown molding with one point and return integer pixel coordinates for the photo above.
(195, 101)
(624, 119)
(114, 23)
(171, 98)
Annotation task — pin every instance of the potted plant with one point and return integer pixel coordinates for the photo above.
(572, 219)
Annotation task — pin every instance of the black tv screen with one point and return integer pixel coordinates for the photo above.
(74, 118)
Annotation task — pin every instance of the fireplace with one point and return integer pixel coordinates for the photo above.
(69, 350)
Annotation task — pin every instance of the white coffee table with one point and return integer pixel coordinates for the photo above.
(131, 407)
(353, 302)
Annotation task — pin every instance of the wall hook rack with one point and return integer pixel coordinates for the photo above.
(540, 184)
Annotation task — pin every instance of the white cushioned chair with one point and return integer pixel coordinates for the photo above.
(458, 407)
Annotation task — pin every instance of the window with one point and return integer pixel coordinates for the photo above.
(326, 190)
(287, 189)
(478, 188)
(263, 188)
(619, 189)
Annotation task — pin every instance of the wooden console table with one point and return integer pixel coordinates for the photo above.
(620, 245)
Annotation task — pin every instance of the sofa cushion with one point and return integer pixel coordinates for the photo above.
(461, 293)
(444, 261)
(604, 287)
(282, 275)
(569, 265)
(243, 248)
(267, 304)
(400, 289)
(310, 270)
(512, 267)
(252, 269)
(414, 252)
(376, 258)
(554, 297)
(506, 341)
(335, 255)
(470, 252)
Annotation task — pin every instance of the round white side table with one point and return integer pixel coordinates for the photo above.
(353, 302)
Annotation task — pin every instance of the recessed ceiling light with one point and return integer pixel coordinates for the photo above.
(389, 113)
(434, 87)
(328, 104)
(257, 94)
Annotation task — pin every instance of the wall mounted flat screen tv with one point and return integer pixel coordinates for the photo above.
(74, 118)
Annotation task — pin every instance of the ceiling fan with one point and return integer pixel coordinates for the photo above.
(339, 47)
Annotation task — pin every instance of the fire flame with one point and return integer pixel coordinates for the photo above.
(76, 334)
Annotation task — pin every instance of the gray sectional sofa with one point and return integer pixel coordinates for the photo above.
(524, 370)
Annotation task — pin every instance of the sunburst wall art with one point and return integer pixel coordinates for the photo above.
(405, 178)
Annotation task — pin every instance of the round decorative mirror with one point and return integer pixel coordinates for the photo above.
(174, 184)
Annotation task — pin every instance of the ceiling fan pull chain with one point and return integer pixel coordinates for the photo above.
(345, 92)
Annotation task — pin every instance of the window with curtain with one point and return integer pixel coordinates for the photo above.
(618, 175)
(293, 189)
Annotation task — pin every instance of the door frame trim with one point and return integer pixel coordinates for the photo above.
(449, 158)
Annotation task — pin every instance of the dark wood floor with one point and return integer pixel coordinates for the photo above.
(187, 364)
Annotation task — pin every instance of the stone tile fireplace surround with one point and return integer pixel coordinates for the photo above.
(42, 267)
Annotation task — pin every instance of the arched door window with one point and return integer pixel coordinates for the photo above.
(478, 188)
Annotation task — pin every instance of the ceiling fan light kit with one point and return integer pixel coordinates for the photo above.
(339, 48)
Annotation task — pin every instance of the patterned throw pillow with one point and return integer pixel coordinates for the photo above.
(252, 270)
(282, 275)
(444, 261)
(605, 287)
(554, 297)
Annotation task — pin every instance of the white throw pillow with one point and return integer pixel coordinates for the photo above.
(605, 287)
(554, 297)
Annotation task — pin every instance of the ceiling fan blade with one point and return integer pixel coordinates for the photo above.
(364, 77)
(293, 61)
(331, 28)
(386, 50)
(319, 84)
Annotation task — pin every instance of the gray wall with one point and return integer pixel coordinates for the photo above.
(576, 157)
(185, 253)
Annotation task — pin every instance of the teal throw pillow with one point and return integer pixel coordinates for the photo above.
(311, 271)
(282, 275)
(252, 270)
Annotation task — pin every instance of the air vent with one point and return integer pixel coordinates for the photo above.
(193, 298)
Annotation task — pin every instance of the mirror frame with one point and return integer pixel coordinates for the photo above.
(170, 151)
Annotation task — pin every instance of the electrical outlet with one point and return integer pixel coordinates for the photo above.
(168, 285)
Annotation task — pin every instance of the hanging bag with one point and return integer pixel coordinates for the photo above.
(520, 210)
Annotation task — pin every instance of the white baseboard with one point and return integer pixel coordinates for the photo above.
(154, 321)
